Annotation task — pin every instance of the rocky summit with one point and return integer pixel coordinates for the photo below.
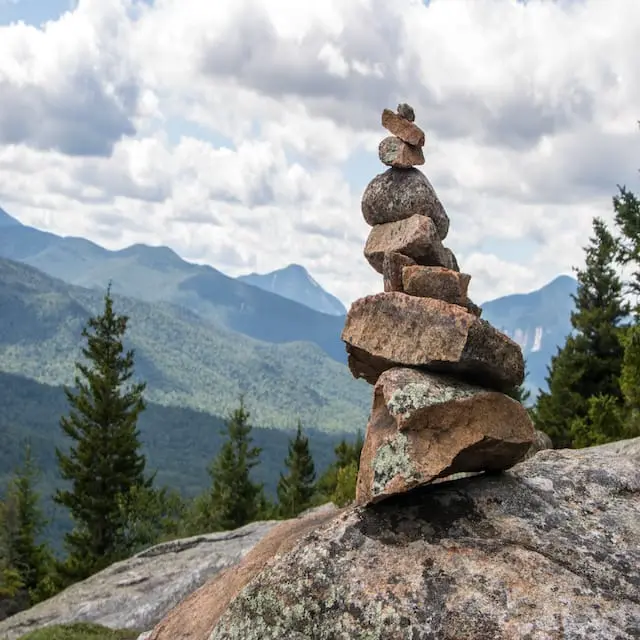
(440, 372)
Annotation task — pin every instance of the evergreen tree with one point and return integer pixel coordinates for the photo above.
(296, 488)
(590, 362)
(104, 462)
(626, 206)
(23, 526)
(234, 499)
(338, 482)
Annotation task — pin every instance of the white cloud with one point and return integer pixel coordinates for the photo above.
(530, 113)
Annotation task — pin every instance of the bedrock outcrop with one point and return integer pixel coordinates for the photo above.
(548, 549)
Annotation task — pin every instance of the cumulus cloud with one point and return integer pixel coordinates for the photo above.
(69, 86)
(530, 111)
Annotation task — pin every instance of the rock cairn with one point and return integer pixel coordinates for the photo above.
(439, 371)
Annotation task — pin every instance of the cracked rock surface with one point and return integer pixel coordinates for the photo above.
(549, 549)
(136, 593)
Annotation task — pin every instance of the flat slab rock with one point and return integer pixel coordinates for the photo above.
(138, 592)
(425, 426)
(397, 194)
(394, 329)
(548, 549)
(405, 129)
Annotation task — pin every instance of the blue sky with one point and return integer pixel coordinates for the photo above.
(33, 12)
(243, 134)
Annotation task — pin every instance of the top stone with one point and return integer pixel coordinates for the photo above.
(406, 111)
(404, 129)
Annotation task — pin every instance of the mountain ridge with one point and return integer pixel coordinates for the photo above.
(538, 321)
(295, 283)
(186, 360)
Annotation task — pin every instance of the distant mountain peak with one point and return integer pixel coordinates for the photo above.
(296, 283)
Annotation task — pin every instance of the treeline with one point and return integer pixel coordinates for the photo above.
(114, 504)
(593, 380)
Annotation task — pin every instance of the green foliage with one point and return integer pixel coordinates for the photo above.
(296, 488)
(26, 561)
(105, 462)
(590, 362)
(182, 356)
(606, 421)
(338, 482)
(148, 516)
(234, 498)
(346, 479)
(179, 444)
(626, 206)
(80, 631)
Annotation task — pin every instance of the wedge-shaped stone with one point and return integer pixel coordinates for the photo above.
(415, 237)
(424, 426)
(386, 330)
(392, 269)
(396, 153)
(436, 282)
(403, 128)
(397, 194)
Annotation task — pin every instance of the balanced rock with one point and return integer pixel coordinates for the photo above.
(405, 130)
(392, 270)
(436, 282)
(424, 426)
(406, 111)
(415, 237)
(386, 330)
(395, 153)
(401, 193)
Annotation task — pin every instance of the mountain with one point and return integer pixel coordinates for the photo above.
(258, 305)
(159, 274)
(295, 283)
(538, 321)
(185, 359)
(6, 220)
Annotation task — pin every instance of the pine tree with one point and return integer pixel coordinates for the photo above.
(590, 362)
(234, 499)
(627, 219)
(24, 525)
(296, 488)
(339, 480)
(104, 462)
(626, 206)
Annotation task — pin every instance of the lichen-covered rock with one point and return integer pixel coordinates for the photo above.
(425, 426)
(540, 442)
(195, 616)
(436, 282)
(392, 266)
(451, 262)
(548, 549)
(406, 111)
(393, 329)
(415, 237)
(401, 193)
(405, 130)
(396, 153)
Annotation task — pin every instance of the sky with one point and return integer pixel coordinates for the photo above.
(242, 133)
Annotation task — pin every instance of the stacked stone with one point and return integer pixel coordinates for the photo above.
(439, 371)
